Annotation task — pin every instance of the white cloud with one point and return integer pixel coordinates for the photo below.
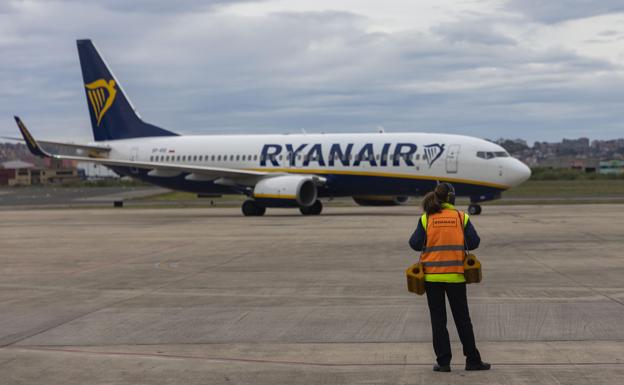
(474, 67)
(562, 10)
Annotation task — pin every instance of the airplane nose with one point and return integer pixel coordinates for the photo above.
(520, 172)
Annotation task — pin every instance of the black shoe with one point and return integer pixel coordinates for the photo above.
(480, 366)
(441, 368)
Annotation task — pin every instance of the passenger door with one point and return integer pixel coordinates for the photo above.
(134, 156)
(452, 155)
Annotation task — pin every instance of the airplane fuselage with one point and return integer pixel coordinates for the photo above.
(354, 164)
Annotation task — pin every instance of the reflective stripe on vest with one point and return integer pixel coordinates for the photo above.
(443, 263)
(444, 250)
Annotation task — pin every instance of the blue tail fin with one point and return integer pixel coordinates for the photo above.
(112, 114)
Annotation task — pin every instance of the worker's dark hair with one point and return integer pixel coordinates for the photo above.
(443, 193)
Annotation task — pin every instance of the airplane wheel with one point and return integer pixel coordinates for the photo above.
(315, 209)
(252, 209)
(474, 209)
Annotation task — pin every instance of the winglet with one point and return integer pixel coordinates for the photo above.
(31, 143)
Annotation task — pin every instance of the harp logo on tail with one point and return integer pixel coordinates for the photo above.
(101, 96)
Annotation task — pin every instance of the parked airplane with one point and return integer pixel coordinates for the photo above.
(282, 170)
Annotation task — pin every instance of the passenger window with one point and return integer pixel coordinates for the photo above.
(256, 157)
(178, 158)
(213, 158)
(237, 157)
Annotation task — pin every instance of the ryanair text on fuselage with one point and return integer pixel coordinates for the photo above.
(346, 156)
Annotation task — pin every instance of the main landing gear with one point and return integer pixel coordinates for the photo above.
(474, 209)
(252, 209)
(315, 209)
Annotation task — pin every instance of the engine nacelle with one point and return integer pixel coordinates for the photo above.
(286, 191)
(380, 200)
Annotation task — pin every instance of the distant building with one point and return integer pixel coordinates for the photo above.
(574, 163)
(612, 167)
(18, 173)
(15, 173)
(578, 146)
(95, 171)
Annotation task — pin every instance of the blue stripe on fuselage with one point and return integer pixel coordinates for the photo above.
(337, 185)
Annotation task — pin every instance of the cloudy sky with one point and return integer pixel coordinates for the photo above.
(539, 70)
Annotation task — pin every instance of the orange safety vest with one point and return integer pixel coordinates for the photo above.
(444, 249)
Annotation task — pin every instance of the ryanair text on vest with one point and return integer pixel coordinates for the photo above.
(346, 155)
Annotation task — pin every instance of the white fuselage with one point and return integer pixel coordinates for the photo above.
(419, 156)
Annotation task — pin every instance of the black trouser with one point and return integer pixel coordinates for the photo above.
(456, 293)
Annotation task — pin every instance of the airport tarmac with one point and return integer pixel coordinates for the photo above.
(207, 296)
(65, 197)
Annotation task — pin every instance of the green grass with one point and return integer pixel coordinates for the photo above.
(543, 173)
(530, 192)
(180, 196)
(568, 188)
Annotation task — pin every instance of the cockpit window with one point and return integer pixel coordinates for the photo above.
(485, 154)
(492, 154)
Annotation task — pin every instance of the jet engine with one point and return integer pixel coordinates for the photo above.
(381, 200)
(286, 191)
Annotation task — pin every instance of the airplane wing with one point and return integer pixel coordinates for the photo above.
(87, 147)
(244, 177)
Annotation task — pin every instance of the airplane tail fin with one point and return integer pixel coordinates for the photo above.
(112, 114)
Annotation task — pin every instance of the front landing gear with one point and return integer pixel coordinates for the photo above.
(252, 209)
(315, 209)
(474, 209)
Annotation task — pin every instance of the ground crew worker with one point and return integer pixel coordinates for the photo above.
(445, 232)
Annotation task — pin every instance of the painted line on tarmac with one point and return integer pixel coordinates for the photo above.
(285, 362)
